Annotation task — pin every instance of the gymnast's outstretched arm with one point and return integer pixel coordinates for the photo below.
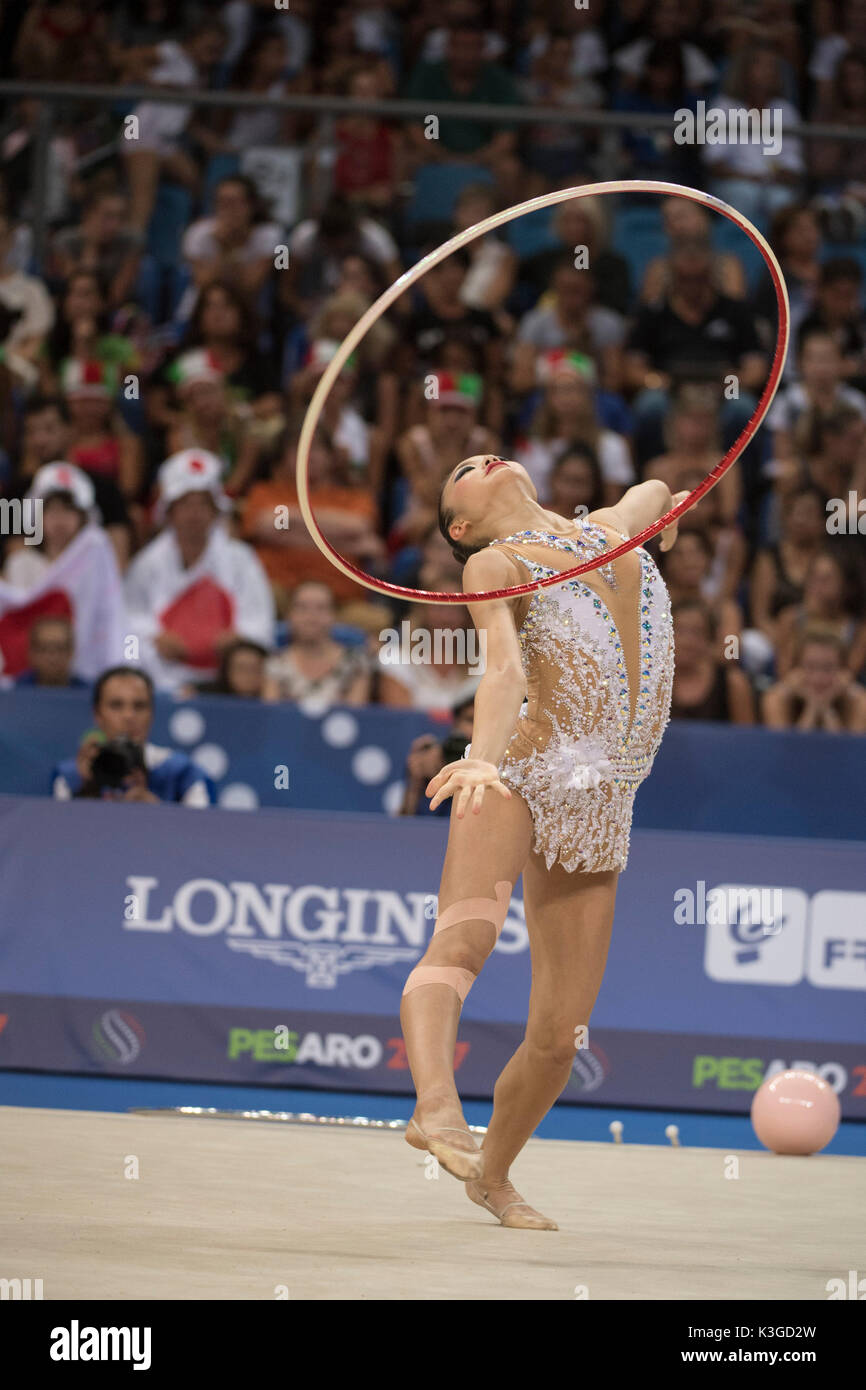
(639, 507)
(503, 685)
(499, 694)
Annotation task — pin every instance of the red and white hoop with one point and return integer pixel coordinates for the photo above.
(489, 224)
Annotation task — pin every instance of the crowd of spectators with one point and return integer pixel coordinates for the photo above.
(158, 399)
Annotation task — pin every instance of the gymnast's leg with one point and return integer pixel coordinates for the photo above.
(485, 855)
(569, 919)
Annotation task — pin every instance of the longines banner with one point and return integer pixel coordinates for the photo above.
(271, 947)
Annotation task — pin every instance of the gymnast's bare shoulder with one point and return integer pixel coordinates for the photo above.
(485, 570)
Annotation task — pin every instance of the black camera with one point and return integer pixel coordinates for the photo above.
(8, 320)
(453, 747)
(112, 765)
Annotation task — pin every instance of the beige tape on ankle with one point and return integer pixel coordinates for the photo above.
(453, 975)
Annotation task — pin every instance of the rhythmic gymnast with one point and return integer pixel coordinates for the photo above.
(594, 657)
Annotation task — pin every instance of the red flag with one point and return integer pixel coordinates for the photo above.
(15, 625)
(84, 585)
(198, 615)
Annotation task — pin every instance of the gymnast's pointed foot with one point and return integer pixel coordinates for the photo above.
(504, 1201)
(444, 1133)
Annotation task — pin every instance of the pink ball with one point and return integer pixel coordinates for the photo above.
(795, 1112)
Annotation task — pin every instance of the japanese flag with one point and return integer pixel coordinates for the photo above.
(84, 585)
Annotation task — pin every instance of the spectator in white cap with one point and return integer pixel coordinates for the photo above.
(67, 498)
(69, 571)
(194, 589)
(45, 437)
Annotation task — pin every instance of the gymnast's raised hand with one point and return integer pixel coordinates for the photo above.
(669, 534)
(470, 777)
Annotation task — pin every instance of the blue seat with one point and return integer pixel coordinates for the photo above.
(855, 250)
(345, 633)
(637, 233)
(531, 233)
(404, 564)
(728, 237)
(172, 214)
(295, 349)
(148, 288)
(133, 415)
(437, 188)
(399, 499)
(179, 281)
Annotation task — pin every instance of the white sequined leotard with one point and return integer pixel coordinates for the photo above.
(576, 756)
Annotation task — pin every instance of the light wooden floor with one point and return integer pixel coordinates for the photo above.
(242, 1210)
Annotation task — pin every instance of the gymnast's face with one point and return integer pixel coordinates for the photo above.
(483, 484)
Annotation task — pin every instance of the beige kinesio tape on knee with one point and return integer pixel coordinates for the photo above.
(453, 975)
(493, 910)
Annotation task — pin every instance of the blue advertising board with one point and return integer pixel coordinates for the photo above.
(713, 777)
(272, 947)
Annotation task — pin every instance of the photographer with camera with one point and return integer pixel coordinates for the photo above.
(428, 755)
(115, 762)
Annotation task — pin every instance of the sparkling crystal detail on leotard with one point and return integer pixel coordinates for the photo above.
(592, 537)
(575, 756)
